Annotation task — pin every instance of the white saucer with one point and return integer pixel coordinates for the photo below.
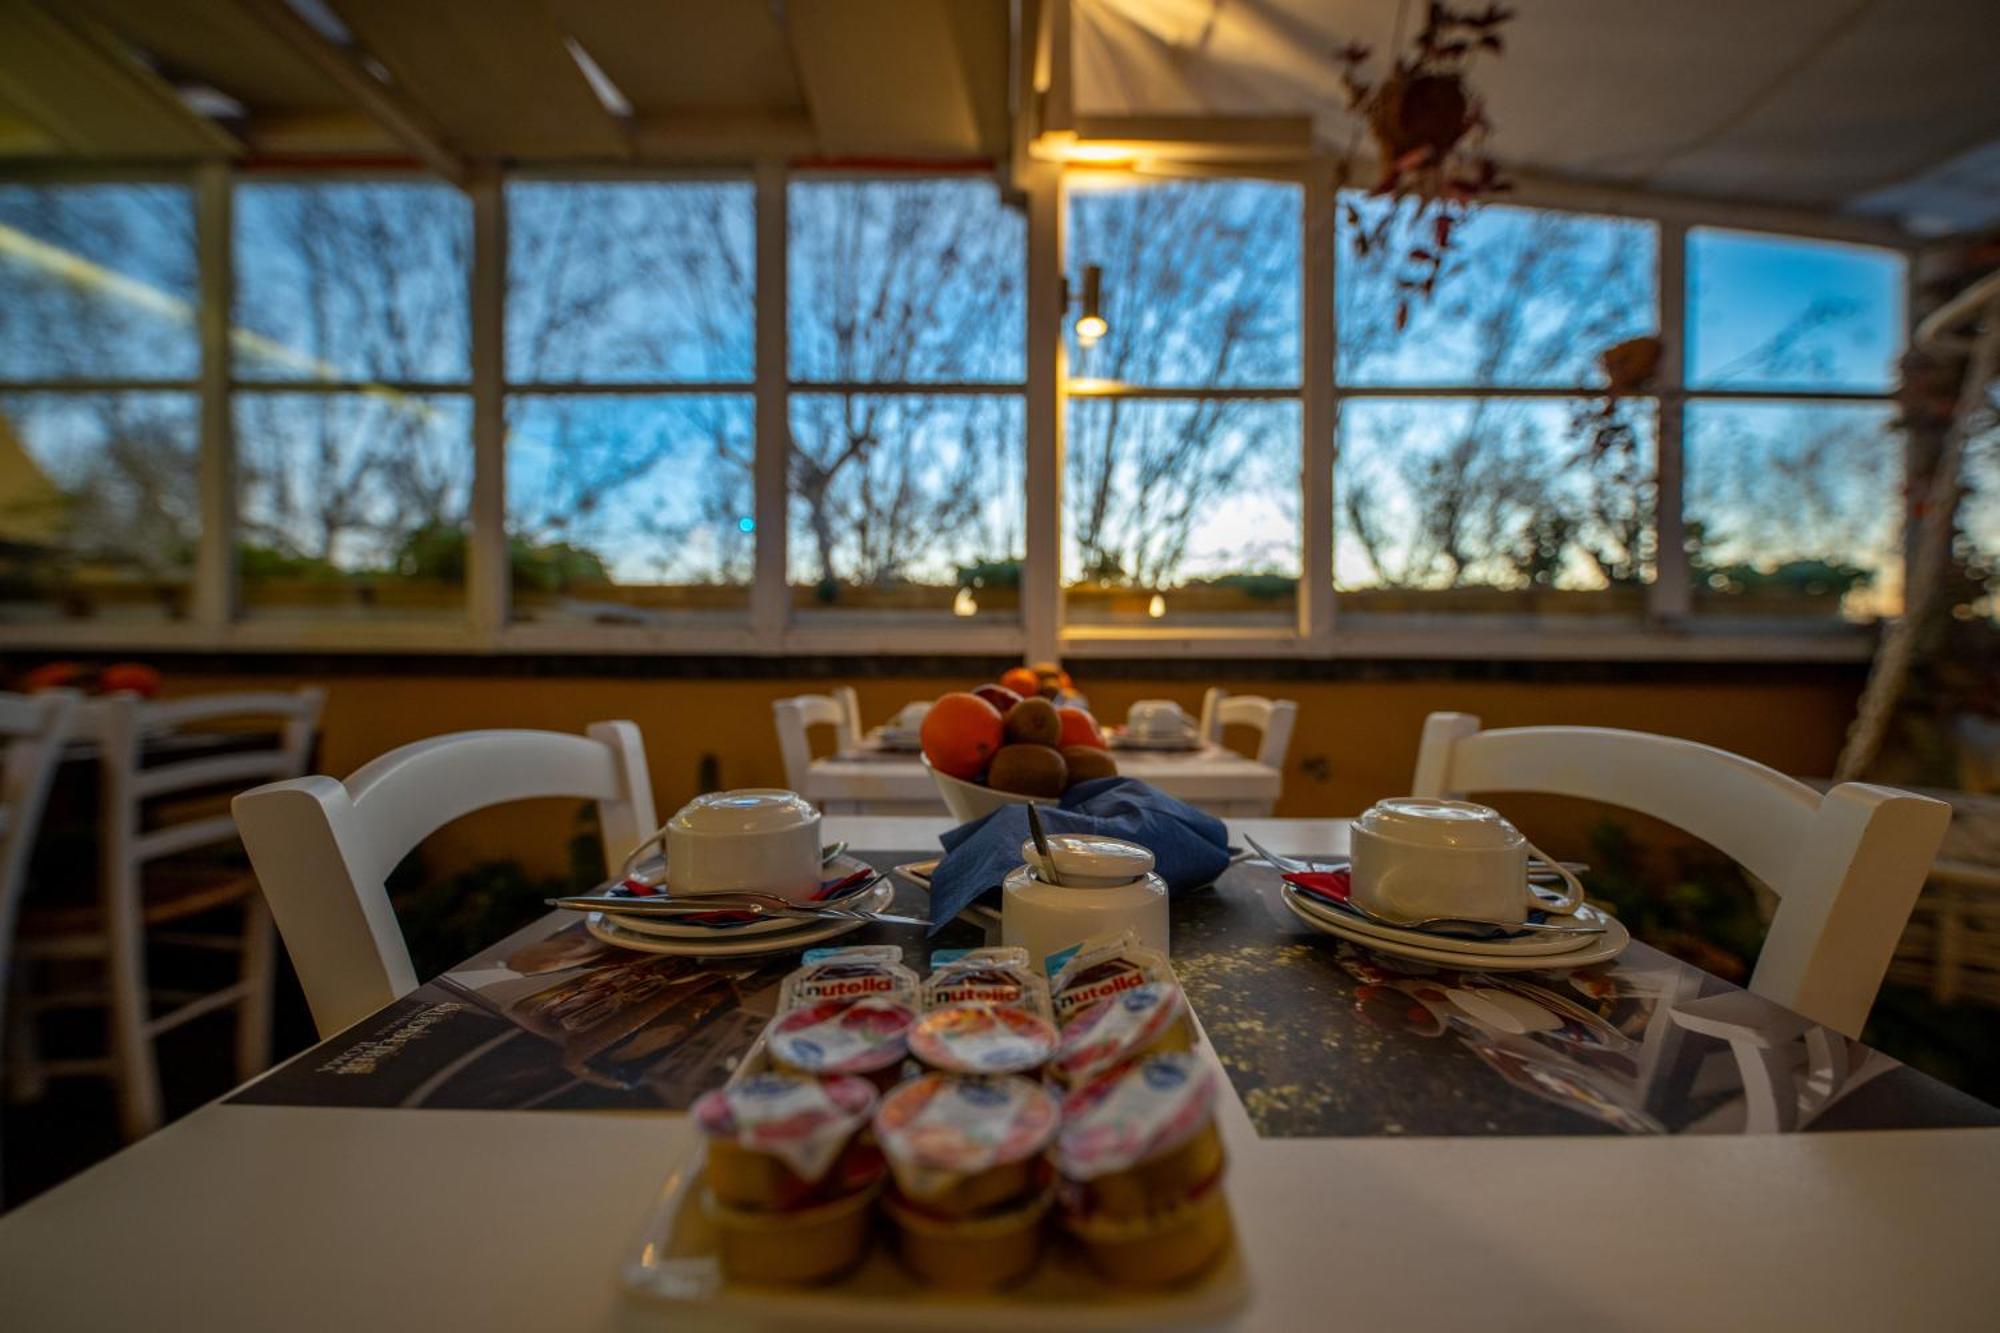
(731, 945)
(1524, 945)
(874, 900)
(1601, 949)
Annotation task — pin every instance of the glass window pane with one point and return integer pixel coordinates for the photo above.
(907, 503)
(1978, 546)
(353, 505)
(1771, 312)
(630, 281)
(97, 281)
(99, 509)
(906, 281)
(1526, 298)
(352, 282)
(628, 510)
(1180, 513)
(1491, 505)
(1793, 509)
(1201, 281)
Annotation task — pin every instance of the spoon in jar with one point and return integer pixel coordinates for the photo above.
(1042, 845)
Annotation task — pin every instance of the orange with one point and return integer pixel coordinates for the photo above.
(960, 735)
(1079, 728)
(1022, 681)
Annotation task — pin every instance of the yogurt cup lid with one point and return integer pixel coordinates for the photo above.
(1134, 1114)
(803, 1122)
(940, 1128)
(978, 1038)
(1116, 1028)
(841, 1036)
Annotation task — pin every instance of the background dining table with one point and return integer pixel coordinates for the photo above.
(870, 778)
(1349, 1211)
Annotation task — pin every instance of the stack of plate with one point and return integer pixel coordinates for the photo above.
(1526, 951)
(725, 934)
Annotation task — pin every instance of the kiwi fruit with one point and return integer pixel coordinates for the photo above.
(1034, 722)
(1086, 762)
(1028, 770)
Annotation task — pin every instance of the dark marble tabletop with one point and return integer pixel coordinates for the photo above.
(1320, 1038)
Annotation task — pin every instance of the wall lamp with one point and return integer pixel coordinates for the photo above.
(1090, 322)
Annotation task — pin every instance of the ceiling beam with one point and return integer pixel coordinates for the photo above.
(91, 95)
(407, 123)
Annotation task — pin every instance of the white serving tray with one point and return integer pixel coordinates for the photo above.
(672, 1263)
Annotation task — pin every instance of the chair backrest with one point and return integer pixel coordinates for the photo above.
(1846, 866)
(124, 725)
(1210, 729)
(34, 729)
(323, 849)
(850, 704)
(796, 715)
(1273, 719)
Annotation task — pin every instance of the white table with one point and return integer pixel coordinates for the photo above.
(1215, 779)
(252, 1217)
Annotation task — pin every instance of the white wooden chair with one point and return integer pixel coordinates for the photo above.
(1272, 719)
(141, 827)
(323, 848)
(1846, 866)
(795, 717)
(34, 728)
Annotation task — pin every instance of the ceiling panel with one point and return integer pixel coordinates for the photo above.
(223, 46)
(495, 74)
(687, 55)
(924, 78)
(1803, 102)
(77, 88)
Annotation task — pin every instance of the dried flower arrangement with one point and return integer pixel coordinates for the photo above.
(1428, 125)
(1629, 369)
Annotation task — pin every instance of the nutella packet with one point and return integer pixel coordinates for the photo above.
(1000, 976)
(1100, 968)
(866, 971)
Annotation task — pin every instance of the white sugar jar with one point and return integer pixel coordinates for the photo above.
(1108, 886)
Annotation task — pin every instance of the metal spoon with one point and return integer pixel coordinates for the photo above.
(1042, 845)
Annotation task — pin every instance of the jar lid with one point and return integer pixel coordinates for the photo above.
(746, 810)
(1135, 1113)
(1085, 860)
(1116, 1028)
(1430, 822)
(982, 1039)
(803, 1122)
(842, 1036)
(938, 1129)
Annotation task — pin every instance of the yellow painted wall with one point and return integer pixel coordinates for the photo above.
(1361, 734)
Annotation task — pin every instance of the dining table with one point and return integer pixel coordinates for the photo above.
(1407, 1146)
(871, 777)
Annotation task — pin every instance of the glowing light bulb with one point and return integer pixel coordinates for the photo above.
(1089, 329)
(963, 604)
(1157, 607)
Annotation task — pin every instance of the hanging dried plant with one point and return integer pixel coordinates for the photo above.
(1428, 125)
(1630, 368)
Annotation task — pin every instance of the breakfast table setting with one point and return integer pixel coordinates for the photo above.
(1106, 1059)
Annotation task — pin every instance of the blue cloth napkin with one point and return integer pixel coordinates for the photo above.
(1189, 848)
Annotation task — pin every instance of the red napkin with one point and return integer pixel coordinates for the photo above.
(1332, 886)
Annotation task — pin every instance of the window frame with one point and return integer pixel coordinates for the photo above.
(769, 629)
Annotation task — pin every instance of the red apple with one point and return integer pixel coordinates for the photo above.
(999, 696)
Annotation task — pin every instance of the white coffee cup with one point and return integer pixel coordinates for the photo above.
(756, 839)
(1156, 719)
(1415, 857)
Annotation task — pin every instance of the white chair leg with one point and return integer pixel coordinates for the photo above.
(131, 1043)
(253, 1013)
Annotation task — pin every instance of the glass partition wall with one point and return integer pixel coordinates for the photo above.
(773, 411)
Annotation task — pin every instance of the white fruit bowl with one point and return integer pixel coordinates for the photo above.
(968, 801)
